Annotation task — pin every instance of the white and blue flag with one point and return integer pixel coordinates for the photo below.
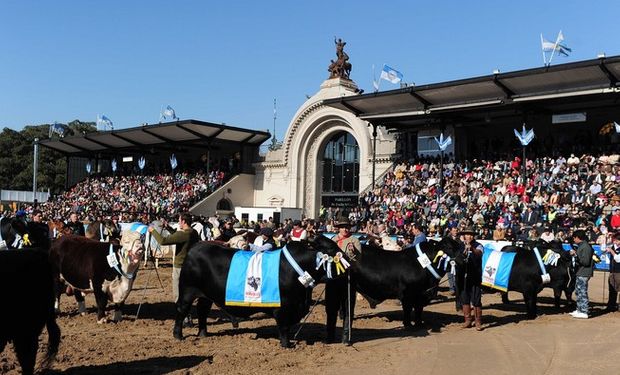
(173, 162)
(525, 137)
(168, 114)
(141, 163)
(391, 75)
(104, 123)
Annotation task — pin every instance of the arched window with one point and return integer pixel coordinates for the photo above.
(341, 165)
(224, 205)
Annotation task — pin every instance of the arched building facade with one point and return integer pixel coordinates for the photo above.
(296, 175)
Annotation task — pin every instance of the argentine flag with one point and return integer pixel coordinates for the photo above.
(391, 75)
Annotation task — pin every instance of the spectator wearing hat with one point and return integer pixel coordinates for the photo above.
(471, 294)
(75, 225)
(585, 270)
(268, 242)
(614, 273)
(298, 233)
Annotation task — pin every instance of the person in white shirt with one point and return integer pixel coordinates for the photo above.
(547, 235)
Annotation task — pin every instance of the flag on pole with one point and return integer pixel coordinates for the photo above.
(173, 162)
(391, 75)
(526, 136)
(141, 163)
(114, 165)
(558, 47)
(168, 114)
(103, 123)
(443, 143)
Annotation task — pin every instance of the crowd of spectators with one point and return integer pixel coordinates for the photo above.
(559, 195)
(133, 197)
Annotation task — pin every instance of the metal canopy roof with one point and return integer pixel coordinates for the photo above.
(185, 132)
(585, 84)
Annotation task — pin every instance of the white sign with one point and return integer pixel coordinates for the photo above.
(568, 117)
(424, 261)
(112, 260)
(127, 159)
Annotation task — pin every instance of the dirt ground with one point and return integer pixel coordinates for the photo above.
(554, 343)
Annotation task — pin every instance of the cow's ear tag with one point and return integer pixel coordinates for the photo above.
(424, 261)
(3, 245)
(306, 280)
(112, 260)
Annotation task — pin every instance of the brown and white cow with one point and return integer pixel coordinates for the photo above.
(105, 269)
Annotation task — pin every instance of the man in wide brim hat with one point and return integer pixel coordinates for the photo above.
(343, 223)
(468, 230)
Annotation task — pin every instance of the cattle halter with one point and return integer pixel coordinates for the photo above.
(425, 262)
(113, 262)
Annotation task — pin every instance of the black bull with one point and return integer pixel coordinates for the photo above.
(382, 275)
(204, 276)
(15, 231)
(525, 276)
(26, 286)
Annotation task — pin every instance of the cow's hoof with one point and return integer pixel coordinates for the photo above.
(177, 335)
(102, 321)
(235, 323)
(202, 333)
(287, 345)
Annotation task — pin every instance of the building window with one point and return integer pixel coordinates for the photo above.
(341, 164)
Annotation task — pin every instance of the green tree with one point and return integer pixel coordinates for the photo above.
(16, 158)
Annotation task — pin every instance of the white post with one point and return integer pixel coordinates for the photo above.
(557, 41)
(542, 47)
(35, 167)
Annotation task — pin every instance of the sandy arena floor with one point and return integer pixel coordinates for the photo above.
(554, 343)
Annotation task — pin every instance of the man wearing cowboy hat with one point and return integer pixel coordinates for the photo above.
(471, 294)
(349, 245)
(345, 240)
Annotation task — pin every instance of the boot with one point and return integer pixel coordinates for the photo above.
(467, 315)
(478, 313)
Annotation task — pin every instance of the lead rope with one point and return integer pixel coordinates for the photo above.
(308, 314)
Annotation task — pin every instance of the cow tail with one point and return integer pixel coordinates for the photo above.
(53, 333)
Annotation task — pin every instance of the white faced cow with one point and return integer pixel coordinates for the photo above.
(105, 269)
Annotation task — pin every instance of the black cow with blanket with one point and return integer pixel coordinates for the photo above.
(526, 274)
(105, 269)
(411, 276)
(26, 285)
(206, 270)
(559, 265)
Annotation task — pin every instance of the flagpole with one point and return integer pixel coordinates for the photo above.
(374, 79)
(555, 46)
(542, 47)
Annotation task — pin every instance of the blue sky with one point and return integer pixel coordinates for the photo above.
(227, 61)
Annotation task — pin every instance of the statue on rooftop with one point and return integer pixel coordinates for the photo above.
(341, 68)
